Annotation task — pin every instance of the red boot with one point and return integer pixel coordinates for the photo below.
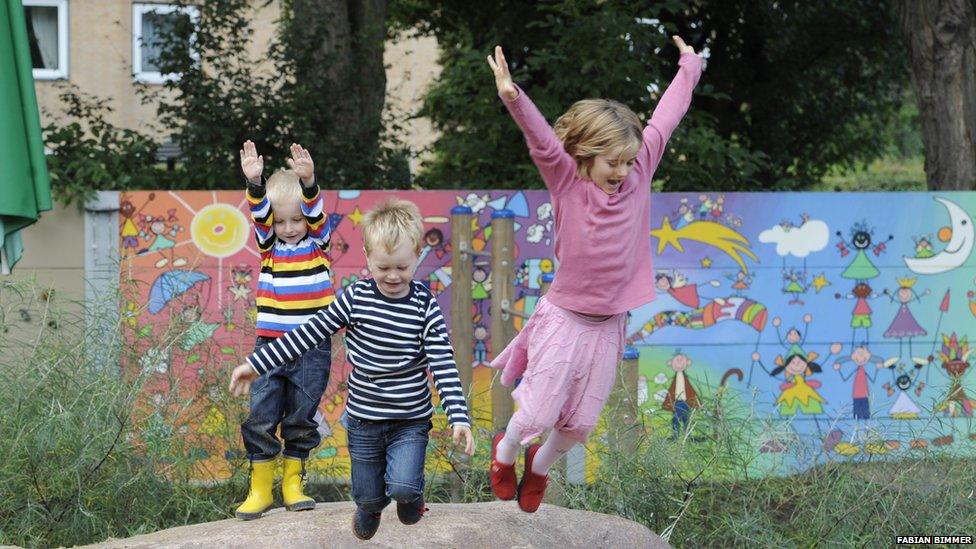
(502, 476)
(533, 487)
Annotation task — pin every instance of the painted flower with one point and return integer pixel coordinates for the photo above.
(130, 314)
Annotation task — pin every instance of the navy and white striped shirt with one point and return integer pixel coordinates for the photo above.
(391, 344)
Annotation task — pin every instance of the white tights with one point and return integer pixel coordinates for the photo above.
(555, 446)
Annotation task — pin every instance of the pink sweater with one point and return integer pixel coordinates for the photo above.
(602, 241)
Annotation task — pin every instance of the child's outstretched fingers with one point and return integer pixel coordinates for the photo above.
(465, 431)
(503, 78)
(240, 379)
(301, 163)
(680, 44)
(252, 164)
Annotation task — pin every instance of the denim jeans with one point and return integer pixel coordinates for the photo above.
(680, 418)
(387, 460)
(288, 395)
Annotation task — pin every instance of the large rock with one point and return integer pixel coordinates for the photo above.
(495, 525)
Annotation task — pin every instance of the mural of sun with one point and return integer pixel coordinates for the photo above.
(219, 230)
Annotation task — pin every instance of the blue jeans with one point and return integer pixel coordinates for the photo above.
(289, 395)
(387, 460)
(680, 418)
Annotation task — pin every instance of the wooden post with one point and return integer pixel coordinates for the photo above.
(461, 301)
(502, 290)
(623, 419)
(462, 263)
(547, 279)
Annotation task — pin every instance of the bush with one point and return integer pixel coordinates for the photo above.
(73, 465)
(89, 154)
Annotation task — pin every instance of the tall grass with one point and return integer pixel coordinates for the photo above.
(84, 457)
(74, 465)
(695, 492)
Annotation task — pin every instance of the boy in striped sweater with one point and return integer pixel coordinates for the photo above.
(395, 335)
(295, 281)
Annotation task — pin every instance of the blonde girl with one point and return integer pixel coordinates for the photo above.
(597, 163)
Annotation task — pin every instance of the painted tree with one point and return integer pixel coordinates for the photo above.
(941, 39)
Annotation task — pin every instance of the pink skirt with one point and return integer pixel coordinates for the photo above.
(567, 363)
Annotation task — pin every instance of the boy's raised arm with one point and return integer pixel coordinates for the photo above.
(313, 207)
(252, 165)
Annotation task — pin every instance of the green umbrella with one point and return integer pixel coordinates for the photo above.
(25, 189)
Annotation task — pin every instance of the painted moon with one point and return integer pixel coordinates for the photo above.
(956, 252)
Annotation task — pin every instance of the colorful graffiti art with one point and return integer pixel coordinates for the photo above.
(827, 380)
(840, 322)
(188, 273)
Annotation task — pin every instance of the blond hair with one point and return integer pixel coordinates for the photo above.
(283, 187)
(393, 222)
(593, 127)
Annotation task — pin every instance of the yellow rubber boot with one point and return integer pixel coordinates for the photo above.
(259, 498)
(292, 484)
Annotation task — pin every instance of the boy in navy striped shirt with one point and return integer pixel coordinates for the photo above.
(395, 334)
(293, 236)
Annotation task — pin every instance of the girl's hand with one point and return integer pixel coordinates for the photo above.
(680, 44)
(241, 378)
(252, 164)
(503, 78)
(301, 163)
(465, 431)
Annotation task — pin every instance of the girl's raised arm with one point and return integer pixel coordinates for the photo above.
(672, 106)
(555, 165)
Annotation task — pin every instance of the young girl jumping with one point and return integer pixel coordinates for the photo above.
(597, 164)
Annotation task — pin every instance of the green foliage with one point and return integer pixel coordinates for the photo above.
(220, 95)
(888, 173)
(791, 90)
(217, 98)
(88, 153)
(74, 464)
(223, 96)
(812, 85)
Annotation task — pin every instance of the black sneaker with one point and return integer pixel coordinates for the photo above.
(411, 513)
(364, 525)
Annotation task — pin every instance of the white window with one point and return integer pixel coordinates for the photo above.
(149, 23)
(47, 33)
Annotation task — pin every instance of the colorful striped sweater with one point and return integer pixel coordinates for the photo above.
(295, 279)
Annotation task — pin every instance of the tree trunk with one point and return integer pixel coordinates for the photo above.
(344, 71)
(941, 38)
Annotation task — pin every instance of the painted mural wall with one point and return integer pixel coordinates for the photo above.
(839, 324)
